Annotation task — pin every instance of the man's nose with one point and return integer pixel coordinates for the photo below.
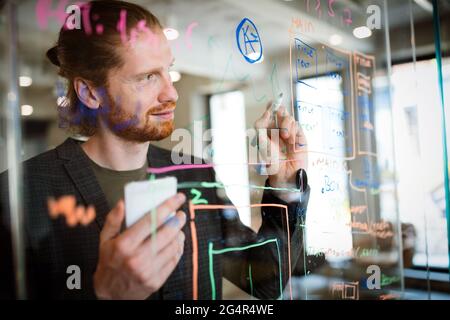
(168, 92)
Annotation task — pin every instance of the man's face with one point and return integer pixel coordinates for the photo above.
(140, 94)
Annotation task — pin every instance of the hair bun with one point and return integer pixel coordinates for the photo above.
(52, 55)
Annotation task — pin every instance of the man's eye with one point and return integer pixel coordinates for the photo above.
(146, 78)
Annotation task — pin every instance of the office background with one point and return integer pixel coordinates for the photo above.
(366, 80)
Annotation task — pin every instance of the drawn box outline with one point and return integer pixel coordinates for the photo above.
(292, 38)
(211, 254)
(344, 286)
(296, 60)
(347, 64)
(194, 238)
(357, 115)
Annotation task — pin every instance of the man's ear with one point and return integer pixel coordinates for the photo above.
(87, 93)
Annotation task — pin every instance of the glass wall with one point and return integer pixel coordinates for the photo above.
(361, 79)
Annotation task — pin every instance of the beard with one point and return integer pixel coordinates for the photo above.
(128, 126)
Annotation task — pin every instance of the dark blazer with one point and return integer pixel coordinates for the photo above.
(52, 246)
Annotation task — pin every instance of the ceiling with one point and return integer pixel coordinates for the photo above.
(216, 22)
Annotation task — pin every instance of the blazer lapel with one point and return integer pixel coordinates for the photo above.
(156, 158)
(79, 170)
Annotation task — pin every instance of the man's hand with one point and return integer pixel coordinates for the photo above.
(136, 263)
(288, 147)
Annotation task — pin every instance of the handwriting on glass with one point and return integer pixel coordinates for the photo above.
(66, 206)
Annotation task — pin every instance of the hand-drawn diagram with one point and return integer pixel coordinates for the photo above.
(333, 97)
(321, 90)
(195, 254)
(345, 290)
(364, 68)
(249, 41)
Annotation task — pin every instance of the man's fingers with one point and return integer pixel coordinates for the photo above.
(168, 268)
(113, 223)
(296, 134)
(281, 115)
(261, 126)
(264, 121)
(300, 141)
(142, 229)
(164, 236)
(156, 265)
(173, 250)
(285, 122)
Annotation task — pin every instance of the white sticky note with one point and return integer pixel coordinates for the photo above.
(143, 196)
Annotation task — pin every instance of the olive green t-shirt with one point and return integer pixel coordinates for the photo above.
(112, 182)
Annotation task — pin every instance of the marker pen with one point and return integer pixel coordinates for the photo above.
(274, 108)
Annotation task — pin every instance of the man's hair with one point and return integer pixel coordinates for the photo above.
(89, 55)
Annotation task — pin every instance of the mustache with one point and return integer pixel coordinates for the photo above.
(162, 108)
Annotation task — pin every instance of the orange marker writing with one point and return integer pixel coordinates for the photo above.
(74, 214)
